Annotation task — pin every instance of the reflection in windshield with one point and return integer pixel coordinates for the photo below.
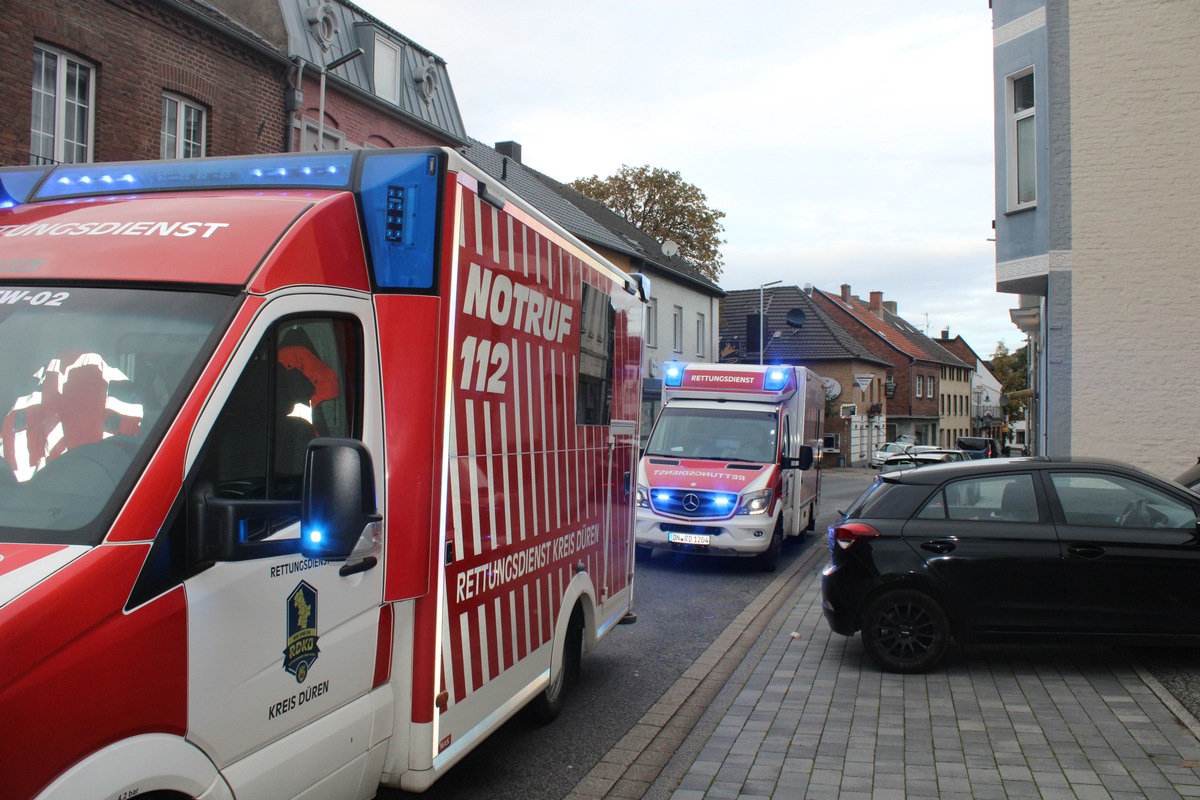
(714, 434)
(85, 375)
(78, 401)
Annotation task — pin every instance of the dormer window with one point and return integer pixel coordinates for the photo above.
(387, 70)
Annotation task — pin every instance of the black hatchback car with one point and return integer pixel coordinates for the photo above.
(1016, 549)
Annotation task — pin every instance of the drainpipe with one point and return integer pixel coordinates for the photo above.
(297, 113)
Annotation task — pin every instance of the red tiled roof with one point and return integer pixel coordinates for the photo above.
(885, 330)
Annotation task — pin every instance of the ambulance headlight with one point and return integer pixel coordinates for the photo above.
(643, 497)
(756, 503)
(775, 380)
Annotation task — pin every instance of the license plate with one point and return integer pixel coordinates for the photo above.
(687, 538)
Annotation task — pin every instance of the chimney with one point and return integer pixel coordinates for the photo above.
(510, 149)
(946, 334)
(845, 293)
(877, 304)
(890, 306)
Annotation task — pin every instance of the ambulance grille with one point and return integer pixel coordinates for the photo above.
(693, 504)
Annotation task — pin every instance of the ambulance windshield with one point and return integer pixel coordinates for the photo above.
(86, 375)
(714, 434)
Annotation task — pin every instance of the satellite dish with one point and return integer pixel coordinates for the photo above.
(796, 318)
(669, 248)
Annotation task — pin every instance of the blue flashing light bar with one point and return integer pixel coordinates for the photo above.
(272, 171)
(776, 379)
(673, 375)
(17, 184)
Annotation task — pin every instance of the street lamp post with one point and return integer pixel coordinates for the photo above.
(762, 346)
(337, 62)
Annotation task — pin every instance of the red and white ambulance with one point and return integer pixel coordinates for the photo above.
(315, 470)
(730, 466)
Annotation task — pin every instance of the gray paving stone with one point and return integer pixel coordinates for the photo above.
(815, 719)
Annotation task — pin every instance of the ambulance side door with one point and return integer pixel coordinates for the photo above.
(788, 477)
(281, 648)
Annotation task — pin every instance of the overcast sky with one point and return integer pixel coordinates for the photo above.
(845, 142)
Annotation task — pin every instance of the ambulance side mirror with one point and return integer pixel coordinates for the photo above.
(803, 461)
(338, 502)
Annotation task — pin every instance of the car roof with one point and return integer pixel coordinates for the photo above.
(1189, 476)
(936, 473)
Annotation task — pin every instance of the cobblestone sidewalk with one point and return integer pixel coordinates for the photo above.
(817, 719)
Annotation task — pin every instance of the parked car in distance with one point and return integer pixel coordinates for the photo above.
(979, 446)
(922, 458)
(1029, 549)
(896, 448)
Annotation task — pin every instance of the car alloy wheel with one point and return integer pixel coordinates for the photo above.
(905, 630)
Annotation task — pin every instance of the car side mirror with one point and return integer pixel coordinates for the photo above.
(804, 460)
(338, 501)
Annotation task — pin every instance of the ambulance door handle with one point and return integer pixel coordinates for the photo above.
(358, 566)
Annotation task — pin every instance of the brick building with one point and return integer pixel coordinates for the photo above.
(923, 374)
(125, 79)
(117, 80)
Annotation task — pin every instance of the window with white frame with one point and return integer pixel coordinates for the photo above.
(652, 323)
(920, 386)
(387, 70)
(310, 135)
(1022, 140)
(63, 112)
(677, 329)
(701, 335)
(183, 128)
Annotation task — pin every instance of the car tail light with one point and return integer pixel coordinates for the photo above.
(847, 535)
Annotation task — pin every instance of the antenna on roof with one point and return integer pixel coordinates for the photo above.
(670, 248)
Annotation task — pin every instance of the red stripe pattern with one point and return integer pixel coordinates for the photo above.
(526, 494)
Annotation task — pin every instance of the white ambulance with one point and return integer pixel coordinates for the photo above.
(314, 470)
(730, 466)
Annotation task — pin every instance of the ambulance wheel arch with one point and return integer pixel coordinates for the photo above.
(169, 767)
(574, 632)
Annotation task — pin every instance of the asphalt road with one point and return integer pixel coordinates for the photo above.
(683, 604)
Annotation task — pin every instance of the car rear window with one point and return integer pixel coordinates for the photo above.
(888, 500)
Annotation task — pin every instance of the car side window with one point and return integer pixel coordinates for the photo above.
(1113, 501)
(997, 498)
(301, 383)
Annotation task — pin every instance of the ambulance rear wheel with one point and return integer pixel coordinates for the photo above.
(547, 705)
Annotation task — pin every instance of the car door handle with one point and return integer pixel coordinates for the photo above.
(1086, 550)
(939, 545)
